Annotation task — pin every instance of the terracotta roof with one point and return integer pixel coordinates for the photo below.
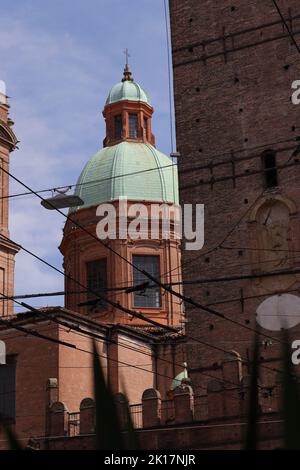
(158, 332)
(146, 331)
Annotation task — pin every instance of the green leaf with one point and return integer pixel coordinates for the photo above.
(12, 440)
(131, 435)
(108, 431)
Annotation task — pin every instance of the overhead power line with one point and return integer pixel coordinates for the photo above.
(30, 332)
(236, 278)
(97, 337)
(92, 335)
(196, 340)
(89, 183)
(11, 324)
(248, 297)
(145, 273)
(219, 245)
(210, 310)
(187, 169)
(286, 25)
(98, 240)
(127, 289)
(189, 300)
(245, 360)
(96, 294)
(149, 276)
(131, 288)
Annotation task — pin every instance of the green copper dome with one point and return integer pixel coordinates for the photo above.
(151, 176)
(127, 90)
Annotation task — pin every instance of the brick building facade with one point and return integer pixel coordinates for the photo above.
(185, 421)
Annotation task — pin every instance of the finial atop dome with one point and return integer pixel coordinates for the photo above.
(2, 92)
(127, 73)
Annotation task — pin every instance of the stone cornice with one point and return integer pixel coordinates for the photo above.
(7, 135)
(9, 245)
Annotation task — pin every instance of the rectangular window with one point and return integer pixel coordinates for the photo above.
(269, 162)
(118, 126)
(133, 126)
(150, 297)
(96, 279)
(146, 126)
(8, 392)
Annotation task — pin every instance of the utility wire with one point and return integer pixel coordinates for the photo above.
(190, 337)
(286, 25)
(78, 329)
(169, 74)
(162, 428)
(245, 360)
(235, 278)
(97, 337)
(96, 294)
(166, 288)
(98, 240)
(138, 287)
(148, 275)
(30, 332)
(229, 233)
(183, 170)
(91, 183)
(249, 297)
(212, 180)
(210, 310)
(27, 331)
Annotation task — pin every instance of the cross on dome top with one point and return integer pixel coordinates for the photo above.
(127, 75)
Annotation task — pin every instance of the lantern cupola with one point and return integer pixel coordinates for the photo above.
(128, 113)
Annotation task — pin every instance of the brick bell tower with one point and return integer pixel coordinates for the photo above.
(8, 248)
(130, 168)
(234, 64)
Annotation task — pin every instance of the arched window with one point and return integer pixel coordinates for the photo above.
(118, 126)
(270, 169)
(133, 126)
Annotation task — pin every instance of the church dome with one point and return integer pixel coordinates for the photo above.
(151, 176)
(127, 90)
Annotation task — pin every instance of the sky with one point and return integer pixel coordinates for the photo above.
(59, 59)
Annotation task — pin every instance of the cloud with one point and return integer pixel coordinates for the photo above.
(50, 142)
(59, 60)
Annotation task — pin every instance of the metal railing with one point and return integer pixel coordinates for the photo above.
(200, 408)
(73, 424)
(168, 411)
(136, 412)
